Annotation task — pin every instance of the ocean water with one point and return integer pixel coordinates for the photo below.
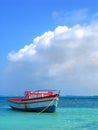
(72, 113)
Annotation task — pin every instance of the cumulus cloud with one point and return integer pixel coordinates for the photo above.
(60, 56)
(26, 52)
(61, 46)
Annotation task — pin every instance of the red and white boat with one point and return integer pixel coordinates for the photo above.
(38, 101)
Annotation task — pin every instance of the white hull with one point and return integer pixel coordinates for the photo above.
(43, 104)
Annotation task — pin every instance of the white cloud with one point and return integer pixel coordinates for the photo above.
(62, 46)
(25, 53)
(65, 54)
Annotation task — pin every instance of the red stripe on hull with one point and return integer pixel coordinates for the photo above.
(26, 99)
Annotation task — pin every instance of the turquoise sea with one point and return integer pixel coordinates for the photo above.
(72, 113)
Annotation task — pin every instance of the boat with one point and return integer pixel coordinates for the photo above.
(36, 101)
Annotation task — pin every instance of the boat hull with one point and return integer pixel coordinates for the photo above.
(38, 109)
(47, 104)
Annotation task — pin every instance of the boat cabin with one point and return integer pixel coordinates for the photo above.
(30, 94)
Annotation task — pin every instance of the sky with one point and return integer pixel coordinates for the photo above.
(49, 44)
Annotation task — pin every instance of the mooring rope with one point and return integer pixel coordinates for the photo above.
(48, 105)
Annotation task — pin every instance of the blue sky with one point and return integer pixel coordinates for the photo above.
(49, 44)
